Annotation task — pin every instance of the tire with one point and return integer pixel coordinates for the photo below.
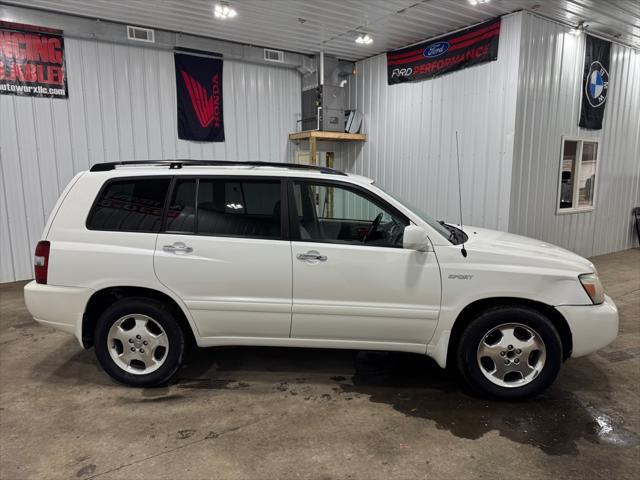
(492, 369)
(139, 343)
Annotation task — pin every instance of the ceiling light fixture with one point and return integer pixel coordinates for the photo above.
(223, 11)
(478, 2)
(364, 39)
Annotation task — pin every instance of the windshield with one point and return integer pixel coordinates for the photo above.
(437, 226)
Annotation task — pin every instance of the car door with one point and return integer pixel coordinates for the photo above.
(352, 280)
(224, 250)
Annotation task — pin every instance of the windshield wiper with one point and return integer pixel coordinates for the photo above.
(453, 232)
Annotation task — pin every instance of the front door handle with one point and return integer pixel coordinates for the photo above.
(177, 247)
(311, 256)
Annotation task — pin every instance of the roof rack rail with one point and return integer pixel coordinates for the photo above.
(177, 164)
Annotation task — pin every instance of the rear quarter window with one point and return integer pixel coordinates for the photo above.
(130, 205)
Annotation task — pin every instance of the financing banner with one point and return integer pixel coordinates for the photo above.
(32, 61)
(456, 51)
(199, 92)
(595, 82)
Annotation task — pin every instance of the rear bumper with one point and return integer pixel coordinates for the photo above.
(592, 326)
(61, 308)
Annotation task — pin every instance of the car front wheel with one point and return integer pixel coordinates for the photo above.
(509, 352)
(138, 342)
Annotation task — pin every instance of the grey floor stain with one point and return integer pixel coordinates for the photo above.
(184, 434)
(86, 470)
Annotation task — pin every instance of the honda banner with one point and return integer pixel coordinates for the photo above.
(446, 54)
(595, 82)
(199, 91)
(32, 61)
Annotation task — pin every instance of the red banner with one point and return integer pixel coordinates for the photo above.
(445, 54)
(32, 61)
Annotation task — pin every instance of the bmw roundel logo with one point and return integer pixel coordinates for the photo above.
(597, 84)
(436, 49)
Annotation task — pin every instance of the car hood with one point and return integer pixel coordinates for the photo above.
(513, 249)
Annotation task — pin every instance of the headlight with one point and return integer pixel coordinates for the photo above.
(593, 287)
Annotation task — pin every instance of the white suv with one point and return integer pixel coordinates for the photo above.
(140, 259)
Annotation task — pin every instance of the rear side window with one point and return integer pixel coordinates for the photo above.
(238, 207)
(181, 215)
(132, 205)
(234, 207)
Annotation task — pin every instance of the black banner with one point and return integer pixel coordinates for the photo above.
(32, 61)
(199, 92)
(595, 82)
(445, 54)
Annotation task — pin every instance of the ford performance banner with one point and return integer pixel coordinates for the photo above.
(595, 82)
(32, 61)
(456, 51)
(199, 92)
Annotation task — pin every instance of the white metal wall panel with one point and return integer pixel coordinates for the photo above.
(411, 151)
(122, 106)
(549, 95)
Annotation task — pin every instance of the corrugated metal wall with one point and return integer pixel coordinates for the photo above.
(551, 69)
(411, 150)
(121, 106)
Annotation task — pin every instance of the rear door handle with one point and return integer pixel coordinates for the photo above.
(311, 256)
(177, 247)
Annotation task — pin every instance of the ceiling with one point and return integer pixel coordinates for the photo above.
(308, 26)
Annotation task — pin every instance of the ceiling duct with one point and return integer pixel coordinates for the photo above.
(341, 72)
(324, 94)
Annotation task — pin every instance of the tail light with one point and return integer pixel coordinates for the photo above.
(41, 261)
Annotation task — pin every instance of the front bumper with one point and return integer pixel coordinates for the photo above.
(61, 308)
(592, 326)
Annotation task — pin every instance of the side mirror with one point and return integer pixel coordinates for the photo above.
(415, 238)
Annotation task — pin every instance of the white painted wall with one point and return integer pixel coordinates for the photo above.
(122, 106)
(549, 95)
(411, 150)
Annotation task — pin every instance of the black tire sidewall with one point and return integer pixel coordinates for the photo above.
(481, 325)
(160, 313)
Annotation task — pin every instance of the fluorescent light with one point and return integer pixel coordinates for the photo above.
(364, 39)
(478, 2)
(223, 11)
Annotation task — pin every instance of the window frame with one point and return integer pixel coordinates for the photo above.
(284, 224)
(112, 180)
(294, 229)
(576, 189)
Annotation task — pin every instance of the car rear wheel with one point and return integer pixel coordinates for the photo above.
(138, 342)
(509, 352)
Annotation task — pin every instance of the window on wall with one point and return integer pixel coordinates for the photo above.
(578, 168)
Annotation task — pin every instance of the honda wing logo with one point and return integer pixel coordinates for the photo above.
(207, 107)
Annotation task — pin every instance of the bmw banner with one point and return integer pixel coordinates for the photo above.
(449, 53)
(595, 82)
(199, 92)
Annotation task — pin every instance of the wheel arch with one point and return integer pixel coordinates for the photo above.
(102, 299)
(469, 312)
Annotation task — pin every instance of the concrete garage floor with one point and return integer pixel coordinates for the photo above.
(290, 413)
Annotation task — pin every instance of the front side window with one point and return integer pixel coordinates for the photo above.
(337, 214)
(132, 205)
(577, 175)
(226, 207)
